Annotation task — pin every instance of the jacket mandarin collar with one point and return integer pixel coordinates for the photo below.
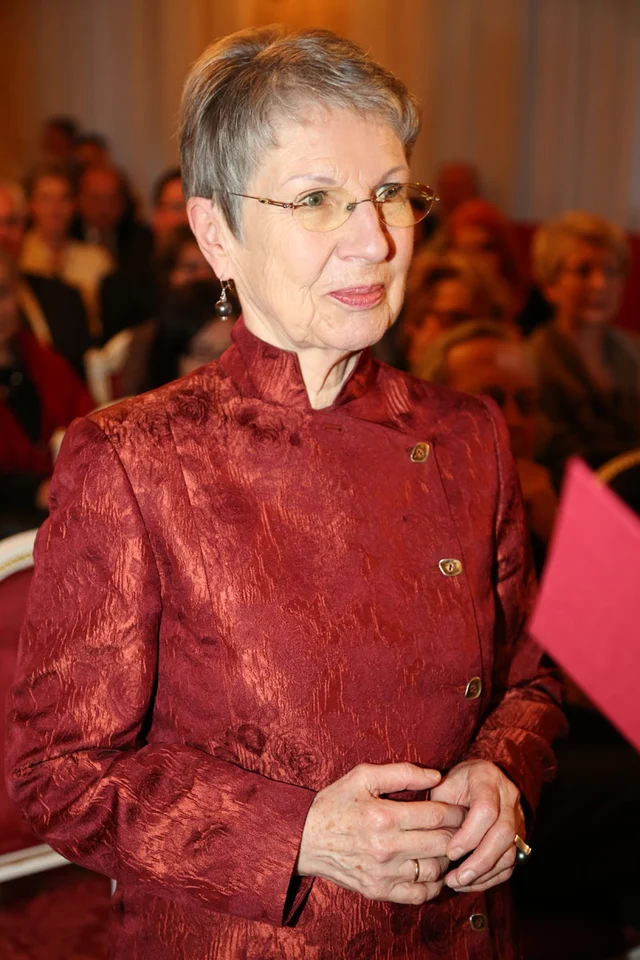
(274, 375)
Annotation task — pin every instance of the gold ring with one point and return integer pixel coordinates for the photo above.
(524, 850)
(417, 873)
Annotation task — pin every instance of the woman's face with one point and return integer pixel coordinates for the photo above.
(340, 290)
(209, 343)
(52, 206)
(191, 265)
(500, 369)
(477, 242)
(452, 303)
(9, 313)
(589, 285)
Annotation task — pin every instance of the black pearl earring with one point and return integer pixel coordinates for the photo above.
(223, 307)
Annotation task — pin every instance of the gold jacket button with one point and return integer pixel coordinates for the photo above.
(473, 688)
(420, 452)
(450, 567)
(478, 922)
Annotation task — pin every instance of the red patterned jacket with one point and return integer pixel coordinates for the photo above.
(237, 599)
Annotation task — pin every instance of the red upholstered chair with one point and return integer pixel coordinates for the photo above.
(20, 852)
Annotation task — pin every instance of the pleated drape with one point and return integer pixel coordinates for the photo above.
(544, 95)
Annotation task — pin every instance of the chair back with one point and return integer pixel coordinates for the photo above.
(622, 475)
(104, 366)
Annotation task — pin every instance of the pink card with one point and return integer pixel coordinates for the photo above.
(588, 612)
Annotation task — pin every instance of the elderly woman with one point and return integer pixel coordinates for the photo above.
(589, 370)
(282, 595)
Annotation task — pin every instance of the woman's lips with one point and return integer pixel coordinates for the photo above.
(362, 298)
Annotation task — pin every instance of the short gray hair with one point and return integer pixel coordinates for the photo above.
(433, 364)
(244, 84)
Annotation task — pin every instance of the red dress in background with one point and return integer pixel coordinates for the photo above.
(237, 599)
(63, 397)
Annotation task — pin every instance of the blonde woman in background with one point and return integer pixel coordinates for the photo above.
(589, 370)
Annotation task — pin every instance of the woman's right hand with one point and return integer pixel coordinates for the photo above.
(361, 842)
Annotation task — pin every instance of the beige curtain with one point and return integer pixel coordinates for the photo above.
(544, 95)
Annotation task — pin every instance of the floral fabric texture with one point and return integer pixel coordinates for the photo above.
(237, 599)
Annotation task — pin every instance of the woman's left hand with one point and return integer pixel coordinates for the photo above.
(495, 816)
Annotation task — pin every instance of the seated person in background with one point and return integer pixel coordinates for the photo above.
(92, 150)
(39, 394)
(188, 333)
(589, 370)
(446, 290)
(479, 229)
(179, 261)
(129, 298)
(106, 217)
(169, 206)
(482, 358)
(457, 182)
(51, 309)
(48, 249)
(58, 141)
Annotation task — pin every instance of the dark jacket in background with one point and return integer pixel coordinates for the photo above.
(65, 315)
(584, 420)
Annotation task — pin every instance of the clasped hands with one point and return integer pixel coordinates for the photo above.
(356, 839)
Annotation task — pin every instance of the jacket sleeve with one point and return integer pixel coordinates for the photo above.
(525, 715)
(164, 815)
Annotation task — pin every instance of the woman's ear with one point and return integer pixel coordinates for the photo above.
(212, 233)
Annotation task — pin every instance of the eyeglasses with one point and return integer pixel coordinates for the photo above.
(321, 211)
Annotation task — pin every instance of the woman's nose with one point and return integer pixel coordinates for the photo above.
(365, 235)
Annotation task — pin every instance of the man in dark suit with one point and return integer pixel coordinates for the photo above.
(53, 310)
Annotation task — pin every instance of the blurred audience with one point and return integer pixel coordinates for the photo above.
(58, 136)
(482, 357)
(92, 150)
(48, 248)
(39, 394)
(589, 370)
(106, 217)
(179, 262)
(477, 228)
(188, 333)
(169, 207)
(444, 291)
(51, 309)
(130, 297)
(457, 182)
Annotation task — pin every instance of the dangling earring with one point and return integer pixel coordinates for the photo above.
(223, 307)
